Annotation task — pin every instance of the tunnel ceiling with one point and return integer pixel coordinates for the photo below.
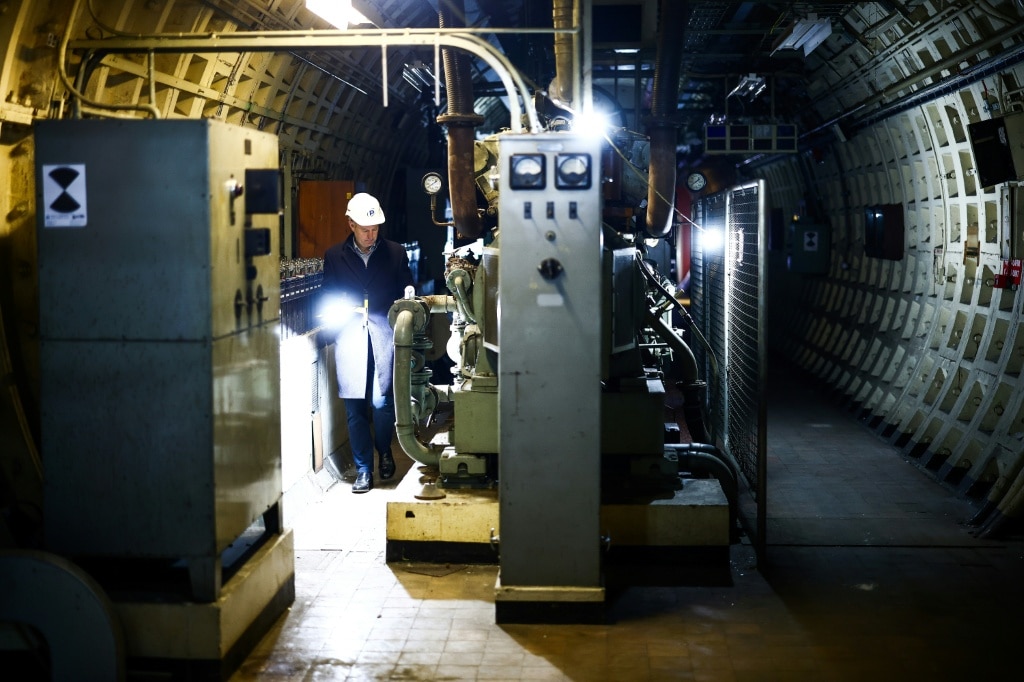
(327, 108)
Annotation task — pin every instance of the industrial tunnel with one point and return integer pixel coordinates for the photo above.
(829, 188)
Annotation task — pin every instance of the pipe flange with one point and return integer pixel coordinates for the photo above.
(455, 273)
(418, 308)
(464, 120)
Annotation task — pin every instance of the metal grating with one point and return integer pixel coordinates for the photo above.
(727, 294)
(300, 285)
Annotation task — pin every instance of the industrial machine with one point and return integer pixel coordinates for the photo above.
(160, 407)
(549, 449)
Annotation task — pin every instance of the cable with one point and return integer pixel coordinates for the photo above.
(62, 73)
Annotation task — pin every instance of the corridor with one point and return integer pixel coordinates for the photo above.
(872, 574)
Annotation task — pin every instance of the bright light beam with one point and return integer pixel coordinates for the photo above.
(711, 240)
(338, 13)
(592, 126)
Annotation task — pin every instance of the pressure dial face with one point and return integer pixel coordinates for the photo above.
(431, 183)
(696, 181)
(572, 171)
(527, 171)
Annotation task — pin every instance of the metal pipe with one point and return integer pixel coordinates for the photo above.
(461, 122)
(457, 284)
(561, 90)
(661, 190)
(151, 69)
(405, 426)
(703, 461)
(62, 74)
(278, 41)
(680, 347)
(441, 304)
(691, 385)
(727, 459)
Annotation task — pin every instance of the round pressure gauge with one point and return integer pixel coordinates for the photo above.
(572, 171)
(432, 183)
(696, 181)
(527, 171)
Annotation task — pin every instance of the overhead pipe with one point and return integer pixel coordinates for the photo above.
(661, 128)
(289, 41)
(62, 50)
(461, 122)
(561, 88)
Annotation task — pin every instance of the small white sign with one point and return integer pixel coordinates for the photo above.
(550, 300)
(64, 195)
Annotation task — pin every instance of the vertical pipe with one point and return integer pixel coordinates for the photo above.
(662, 127)
(460, 121)
(561, 89)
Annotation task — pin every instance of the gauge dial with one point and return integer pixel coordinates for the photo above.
(432, 183)
(527, 171)
(696, 181)
(572, 171)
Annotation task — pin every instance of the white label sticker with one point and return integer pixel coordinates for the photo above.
(550, 300)
(64, 196)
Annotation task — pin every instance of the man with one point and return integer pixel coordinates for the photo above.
(363, 276)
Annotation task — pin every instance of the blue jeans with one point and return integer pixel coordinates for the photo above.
(358, 411)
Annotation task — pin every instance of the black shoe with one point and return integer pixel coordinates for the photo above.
(387, 465)
(364, 481)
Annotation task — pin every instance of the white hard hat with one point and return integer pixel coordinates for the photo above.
(365, 210)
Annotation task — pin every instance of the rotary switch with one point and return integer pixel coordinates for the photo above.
(549, 268)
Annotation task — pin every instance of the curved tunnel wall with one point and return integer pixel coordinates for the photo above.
(925, 349)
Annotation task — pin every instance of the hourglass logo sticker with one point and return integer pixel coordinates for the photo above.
(64, 196)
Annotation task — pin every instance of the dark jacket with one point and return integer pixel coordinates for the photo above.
(382, 281)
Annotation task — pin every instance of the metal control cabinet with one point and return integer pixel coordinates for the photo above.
(159, 346)
(549, 370)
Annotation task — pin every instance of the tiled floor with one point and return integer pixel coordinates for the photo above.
(871, 575)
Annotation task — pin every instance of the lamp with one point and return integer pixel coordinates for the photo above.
(338, 13)
(750, 86)
(805, 34)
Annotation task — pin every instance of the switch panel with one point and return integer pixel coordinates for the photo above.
(549, 393)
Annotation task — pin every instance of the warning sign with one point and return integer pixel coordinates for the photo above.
(64, 196)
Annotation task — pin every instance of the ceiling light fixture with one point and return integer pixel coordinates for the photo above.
(750, 86)
(338, 13)
(804, 34)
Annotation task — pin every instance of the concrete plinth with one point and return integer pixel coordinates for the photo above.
(459, 526)
(211, 639)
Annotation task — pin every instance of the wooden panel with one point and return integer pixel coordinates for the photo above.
(321, 220)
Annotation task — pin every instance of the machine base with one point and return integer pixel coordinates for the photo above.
(559, 613)
(686, 523)
(456, 528)
(548, 604)
(209, 641)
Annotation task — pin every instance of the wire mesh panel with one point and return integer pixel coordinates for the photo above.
(727, 294)
(300, 286)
